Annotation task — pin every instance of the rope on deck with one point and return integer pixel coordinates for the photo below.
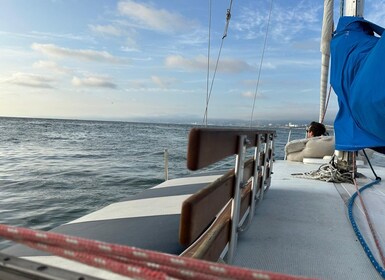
(132, 262)
(357, 231)
(327, 172)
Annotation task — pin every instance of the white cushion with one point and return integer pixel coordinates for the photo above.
(315, 147)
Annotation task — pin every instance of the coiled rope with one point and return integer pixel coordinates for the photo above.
(327, 172)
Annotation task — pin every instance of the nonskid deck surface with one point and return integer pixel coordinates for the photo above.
(301, 228)
(148, 220)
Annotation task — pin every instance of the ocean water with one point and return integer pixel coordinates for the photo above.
(54, 171)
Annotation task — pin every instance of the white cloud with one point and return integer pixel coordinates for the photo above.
(286, 22)
(200, 63)
(93, 81)
(376, 12)
(162, 82)
(250, 94)
(51, 66)
(109, 30)
(29, 80)
(86, 55)
(150, 17)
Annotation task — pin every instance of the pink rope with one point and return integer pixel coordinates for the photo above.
(130, 261)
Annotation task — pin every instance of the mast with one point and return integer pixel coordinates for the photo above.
(352, 8)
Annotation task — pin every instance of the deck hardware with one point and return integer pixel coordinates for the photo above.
(256, 187)
(239, 168)
(165, 164)
(41, 268)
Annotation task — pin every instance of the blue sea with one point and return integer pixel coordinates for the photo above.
(54, 171)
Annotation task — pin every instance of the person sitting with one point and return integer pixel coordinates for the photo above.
(316, 129)
(317, 144)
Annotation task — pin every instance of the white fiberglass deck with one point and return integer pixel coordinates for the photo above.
(301, 228)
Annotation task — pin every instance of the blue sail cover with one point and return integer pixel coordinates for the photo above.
(357, 76)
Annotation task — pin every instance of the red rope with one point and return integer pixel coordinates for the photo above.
(130, 261)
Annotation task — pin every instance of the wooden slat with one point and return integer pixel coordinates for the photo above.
(248, 170)
(245, 199)
(200, 209)
(211, 244)
(209, 145)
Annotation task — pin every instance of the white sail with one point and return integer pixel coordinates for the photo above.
(327, 30)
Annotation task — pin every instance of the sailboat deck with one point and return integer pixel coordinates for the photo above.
(302, 228)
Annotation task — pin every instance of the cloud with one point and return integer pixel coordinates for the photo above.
(93, 81)
(86, 55)
(250, 94)
(162, 82)
(149, 17)
(200, 63)
(51, 66)
(286, 22)
(29, 80)
(376, 12)
(109, 30)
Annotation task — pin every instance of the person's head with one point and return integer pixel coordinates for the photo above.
(315, 129)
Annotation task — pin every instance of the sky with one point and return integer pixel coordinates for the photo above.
(129, 60)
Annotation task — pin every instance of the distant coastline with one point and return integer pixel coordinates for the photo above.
(186, 121)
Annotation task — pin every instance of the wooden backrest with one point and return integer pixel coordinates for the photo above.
(209, 145)
(201, 209)
(205, 224)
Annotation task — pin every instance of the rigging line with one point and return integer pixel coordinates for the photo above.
(326, 105)
(208, 63)
(228, 17)
(261, 62)
(370, 164)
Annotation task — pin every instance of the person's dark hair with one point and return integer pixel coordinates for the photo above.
(317, 128)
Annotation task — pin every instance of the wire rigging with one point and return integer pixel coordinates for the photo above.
(209, 90)
(208, 63)
(261, 62)
(326, 105)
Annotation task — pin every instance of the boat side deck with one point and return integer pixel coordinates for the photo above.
(302, 228)
(132, 222)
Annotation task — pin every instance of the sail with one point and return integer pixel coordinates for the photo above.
(326, 36)
(358, 79)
